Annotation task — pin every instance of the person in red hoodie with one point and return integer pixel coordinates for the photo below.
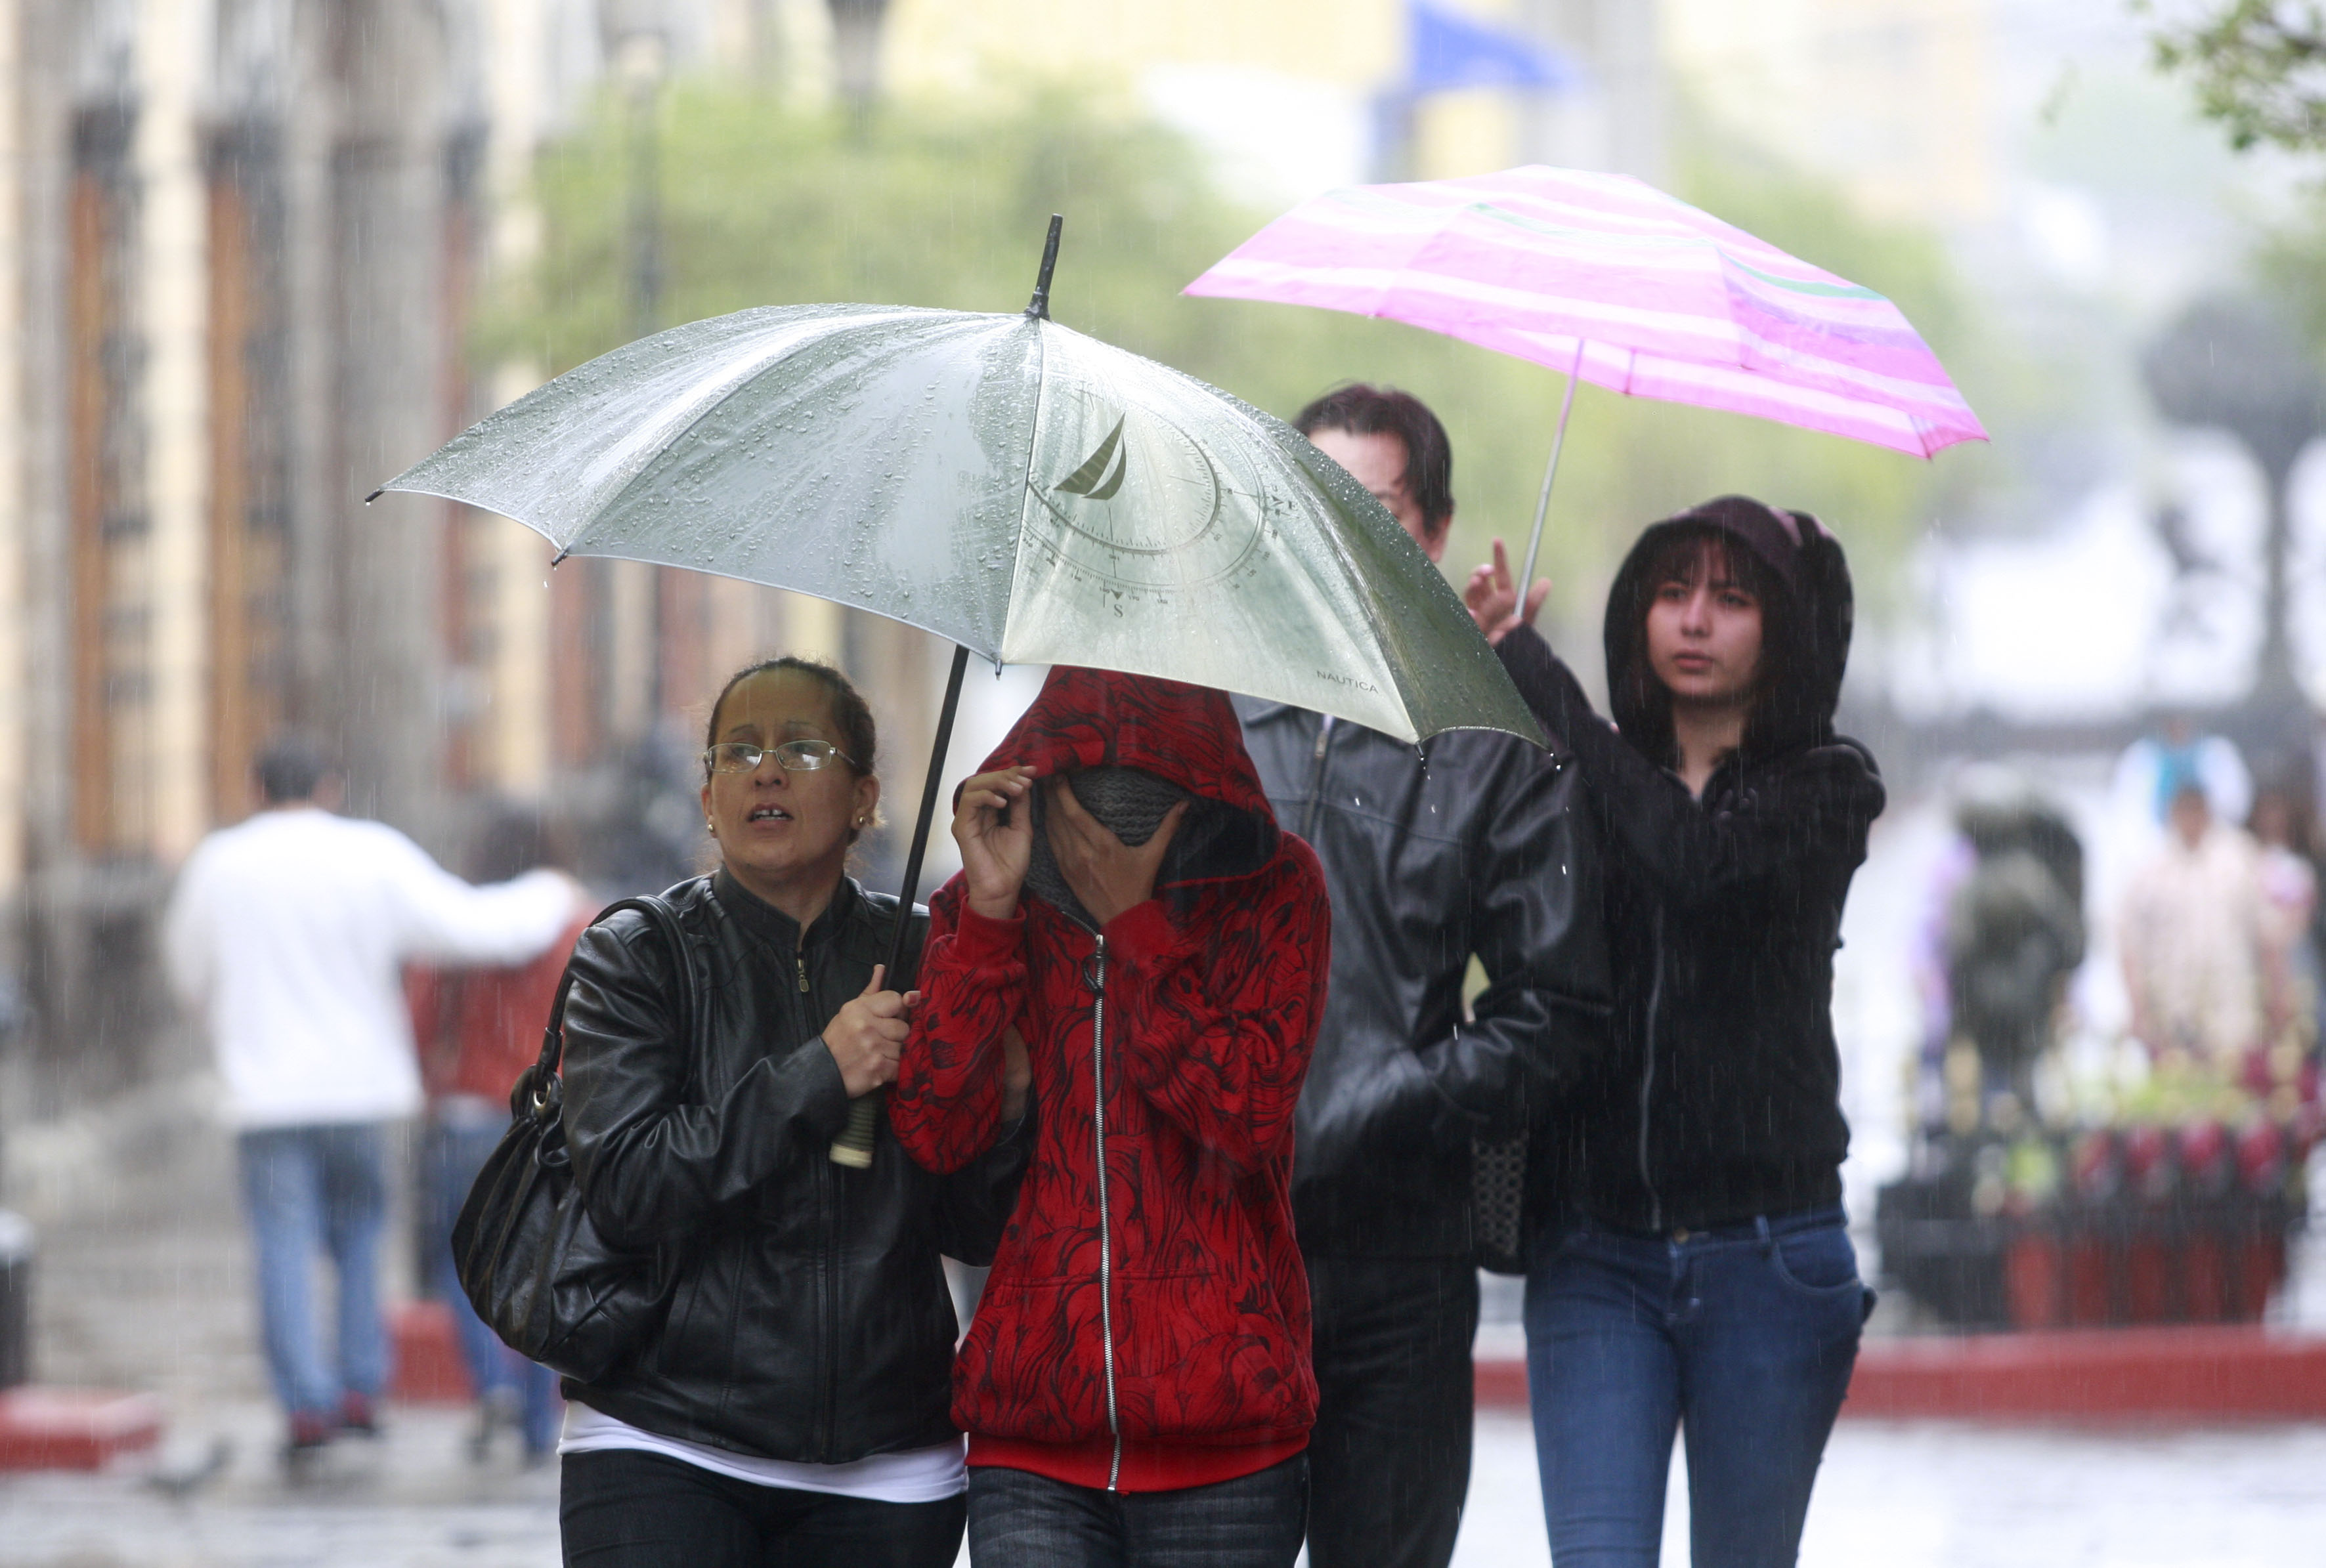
(1136, 1385)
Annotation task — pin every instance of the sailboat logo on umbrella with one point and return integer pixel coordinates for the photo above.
(1181, 522)
(1100, 474)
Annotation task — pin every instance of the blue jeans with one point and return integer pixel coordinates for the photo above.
(1742, 1337)
(1020, 1520)
(309, 1190)
(453, 1155)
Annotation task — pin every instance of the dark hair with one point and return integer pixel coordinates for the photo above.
(1363, 410)
(511, 838)
(1689, 553)
(859, 737)
(291, 768)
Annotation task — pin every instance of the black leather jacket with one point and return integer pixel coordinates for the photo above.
(810, 1319)
(1475, 842)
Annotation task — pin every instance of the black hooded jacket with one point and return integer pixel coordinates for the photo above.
(1719, 1098)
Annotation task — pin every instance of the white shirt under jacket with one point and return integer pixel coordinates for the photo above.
(288, 933)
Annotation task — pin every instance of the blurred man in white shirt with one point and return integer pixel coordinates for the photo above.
(287, 934)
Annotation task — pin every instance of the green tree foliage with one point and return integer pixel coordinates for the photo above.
(2258, 66)
(944, 203)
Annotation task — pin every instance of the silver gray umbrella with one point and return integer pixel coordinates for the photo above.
(1033, 494)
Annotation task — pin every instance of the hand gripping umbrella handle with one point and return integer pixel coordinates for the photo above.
(853, 1146)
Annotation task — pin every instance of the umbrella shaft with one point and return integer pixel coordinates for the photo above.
(935, 781)
(853, 1146)
(1542, 504)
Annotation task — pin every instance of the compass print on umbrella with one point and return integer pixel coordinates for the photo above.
(1139, 506)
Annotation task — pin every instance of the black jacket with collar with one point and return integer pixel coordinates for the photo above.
(810, 1319)
(1473, 843)
(1719, 1100)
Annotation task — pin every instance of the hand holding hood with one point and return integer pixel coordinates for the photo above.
(1186, 736)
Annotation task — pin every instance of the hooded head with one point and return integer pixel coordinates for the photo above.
(1805, 615)
(1141, 744)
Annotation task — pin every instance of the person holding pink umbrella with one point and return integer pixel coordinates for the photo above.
(1690, 1267)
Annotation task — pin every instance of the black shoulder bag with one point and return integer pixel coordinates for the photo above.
(534, 1267)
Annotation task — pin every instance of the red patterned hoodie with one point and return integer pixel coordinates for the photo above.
(1146, 1324)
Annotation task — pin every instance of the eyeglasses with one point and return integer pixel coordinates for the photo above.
(791, 756)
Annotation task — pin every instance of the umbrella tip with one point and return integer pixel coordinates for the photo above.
(375, 495)
(1038, 307)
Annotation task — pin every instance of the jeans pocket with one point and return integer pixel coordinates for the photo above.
(1819, 1261)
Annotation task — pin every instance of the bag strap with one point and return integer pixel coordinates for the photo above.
(659, 913)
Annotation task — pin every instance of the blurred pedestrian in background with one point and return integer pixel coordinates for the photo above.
(1703, 1277)
(2015, 937)
(287, 933)
(2190, 938)
(1136, 1383)
(2285, 835)
(2155, 769)
(1476, 843)
(791, 1409)
(478, 1029)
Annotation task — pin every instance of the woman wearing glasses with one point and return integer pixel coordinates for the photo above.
(793, 1406)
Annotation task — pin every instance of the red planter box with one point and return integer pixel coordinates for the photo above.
(74, 1428)
(425, 1365)
(2169, 1375)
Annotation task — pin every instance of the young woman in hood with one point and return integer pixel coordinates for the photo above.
(1690, 1268)
(1136, 1385)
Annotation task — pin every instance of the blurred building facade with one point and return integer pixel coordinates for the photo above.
(1896, 99)
(243, 243)
(1289, 82)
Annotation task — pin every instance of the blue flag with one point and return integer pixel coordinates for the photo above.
(1452, 50)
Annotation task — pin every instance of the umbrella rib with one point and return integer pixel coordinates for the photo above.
(1026, 489)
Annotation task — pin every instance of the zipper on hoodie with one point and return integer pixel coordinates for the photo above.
(1097, 983)
(1317, 780)
(1648, 1076)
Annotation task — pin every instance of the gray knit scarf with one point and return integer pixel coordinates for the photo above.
(1128, 802)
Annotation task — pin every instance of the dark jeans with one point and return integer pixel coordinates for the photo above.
(1742, 1337)
(1020, 1520)
(451, 1157)
(310, 1191)
(622, 1509)
(1389, 1461)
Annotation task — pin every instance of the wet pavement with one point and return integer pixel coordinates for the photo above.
(1892, 1495)
(1946, 1495)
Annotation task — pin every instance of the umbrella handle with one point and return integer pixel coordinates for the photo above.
(853, 1146)
(1038, 307)
(1542, 504)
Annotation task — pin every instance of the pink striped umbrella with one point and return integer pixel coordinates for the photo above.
(1608, 279)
